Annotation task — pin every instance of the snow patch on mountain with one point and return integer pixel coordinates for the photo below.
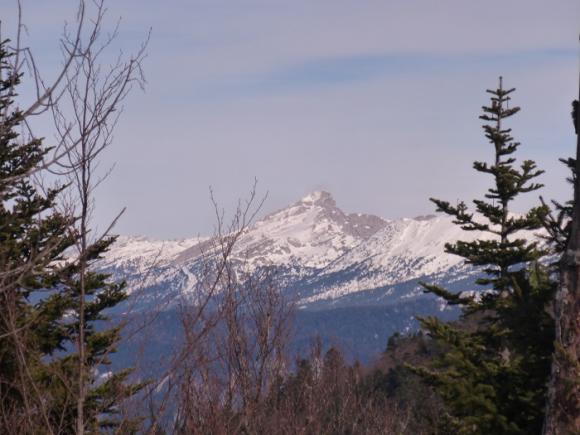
(318, 247)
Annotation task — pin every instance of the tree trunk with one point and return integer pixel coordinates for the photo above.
(563, 409)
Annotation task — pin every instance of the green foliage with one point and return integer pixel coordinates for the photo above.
(32, 238)
(40, 296)
(493, 377)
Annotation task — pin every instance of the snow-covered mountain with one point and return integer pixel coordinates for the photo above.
(355, 277)
(321, 254)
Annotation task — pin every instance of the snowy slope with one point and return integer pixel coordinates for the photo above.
(403, 250)
(321, 253)
(309, 233)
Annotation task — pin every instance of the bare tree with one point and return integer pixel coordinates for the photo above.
(85, 119)
(85, 101)
(235, 331)
(230, 373)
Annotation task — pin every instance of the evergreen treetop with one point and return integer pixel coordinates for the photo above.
(492, 375)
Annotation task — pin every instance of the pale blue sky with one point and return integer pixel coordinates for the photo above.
(374, 101)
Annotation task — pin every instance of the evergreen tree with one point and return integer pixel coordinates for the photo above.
(39, 298)
(492, 377)
(105, 389)
(32, 237)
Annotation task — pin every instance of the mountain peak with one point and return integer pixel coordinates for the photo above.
(320, 198)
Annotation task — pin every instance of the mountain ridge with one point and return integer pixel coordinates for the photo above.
(320, 252)
(342, 270)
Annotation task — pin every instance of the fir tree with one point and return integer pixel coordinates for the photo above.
(492, 377)
(105, 390)
(32, 237)
(39, 297)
